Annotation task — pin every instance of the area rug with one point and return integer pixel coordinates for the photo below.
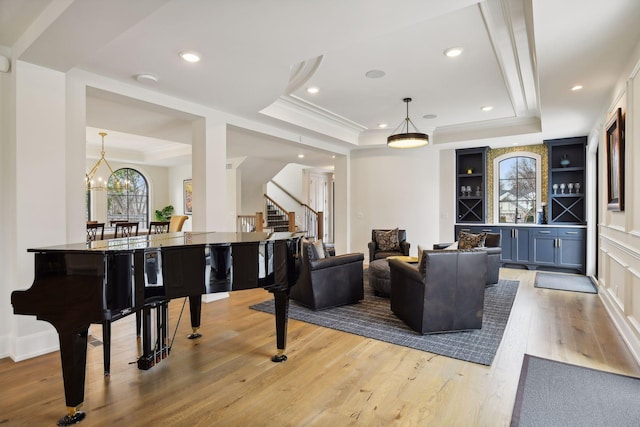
(373, 318)
(553, 393)
(565, 282)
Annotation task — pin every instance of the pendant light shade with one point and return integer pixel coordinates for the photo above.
(406, 135)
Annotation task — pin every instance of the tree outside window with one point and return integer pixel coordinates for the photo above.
(128, 197)
(517, 189)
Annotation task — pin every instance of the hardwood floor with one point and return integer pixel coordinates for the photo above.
(331, 377)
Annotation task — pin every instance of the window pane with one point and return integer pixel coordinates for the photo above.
(508, 168)
(517, 197)
(128, 197)
(526, 167)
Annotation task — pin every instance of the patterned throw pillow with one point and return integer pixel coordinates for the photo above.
(470, 241)
(387, 240)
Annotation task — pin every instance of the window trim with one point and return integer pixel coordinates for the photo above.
(496, 181)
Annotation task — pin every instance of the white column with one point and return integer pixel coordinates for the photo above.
(209, 176)
(40, 186)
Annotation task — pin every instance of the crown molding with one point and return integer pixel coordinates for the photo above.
(299, 112)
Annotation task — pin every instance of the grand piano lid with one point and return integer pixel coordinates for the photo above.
(182, 238)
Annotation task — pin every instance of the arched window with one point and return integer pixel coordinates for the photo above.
(517, 187)
(128, 197)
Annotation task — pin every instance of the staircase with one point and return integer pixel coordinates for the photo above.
(277, 220)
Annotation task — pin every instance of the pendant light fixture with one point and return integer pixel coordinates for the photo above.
(100, 173)
(405, 138)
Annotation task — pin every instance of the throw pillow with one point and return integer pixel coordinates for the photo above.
(387, 240)
(470, 241)
(318, 248)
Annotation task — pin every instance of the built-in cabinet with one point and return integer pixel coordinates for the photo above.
(561, 248)
(471, 201)
(567, 186)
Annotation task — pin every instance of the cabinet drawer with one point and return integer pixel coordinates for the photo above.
(544, 232)
(575, 233)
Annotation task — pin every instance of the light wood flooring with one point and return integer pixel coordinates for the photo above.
(331, 378)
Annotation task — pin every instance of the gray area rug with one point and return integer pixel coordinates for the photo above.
(553, 393)
(565, 282)
(373, 318)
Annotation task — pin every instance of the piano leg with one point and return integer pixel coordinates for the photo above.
(195, 308)
(73, 352)
(106, 346)
(281, 298)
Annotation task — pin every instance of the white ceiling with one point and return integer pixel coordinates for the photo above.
(520, 56)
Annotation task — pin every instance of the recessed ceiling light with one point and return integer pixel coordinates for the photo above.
(190, 56)
(313, 89)
(375, 74)
(146, 78)
(576, 87)
(301, 156)
(452, 52)
(382, 125)
(429, 116)
(487, 108)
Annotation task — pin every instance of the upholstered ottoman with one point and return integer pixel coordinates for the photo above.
(380, 277)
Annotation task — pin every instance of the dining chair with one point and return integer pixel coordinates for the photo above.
(177, 221)
(126, 229)
(95, 231)
(158, 227)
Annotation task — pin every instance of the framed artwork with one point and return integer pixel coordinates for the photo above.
(188, 197)
(615, 162)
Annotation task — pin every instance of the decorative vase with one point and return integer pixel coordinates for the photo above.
(469, 171)
(564, 161)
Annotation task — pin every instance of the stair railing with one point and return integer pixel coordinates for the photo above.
(247, 223)
(272, 205)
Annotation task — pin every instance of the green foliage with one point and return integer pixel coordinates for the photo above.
(164, 214)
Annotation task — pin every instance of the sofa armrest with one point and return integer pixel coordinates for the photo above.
(404, 247)
(319, 264)
(493, 251)
(372, 250)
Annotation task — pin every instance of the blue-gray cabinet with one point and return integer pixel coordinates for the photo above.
(538, 247)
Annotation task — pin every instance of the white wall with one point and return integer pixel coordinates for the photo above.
(7, 219)
(619, 232)
(395, 188)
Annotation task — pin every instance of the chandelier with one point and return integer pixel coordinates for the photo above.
(405, 138)
(98, 176)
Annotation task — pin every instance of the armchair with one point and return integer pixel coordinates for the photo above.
(378, 252)
(494, 251)
(445, 292)
(329, 281)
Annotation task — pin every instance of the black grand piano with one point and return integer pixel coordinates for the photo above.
(99, 282)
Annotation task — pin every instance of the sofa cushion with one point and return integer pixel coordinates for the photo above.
(470, 241)
(387, 240)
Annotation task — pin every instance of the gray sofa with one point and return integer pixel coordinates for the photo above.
(328, 282)
(445, 292)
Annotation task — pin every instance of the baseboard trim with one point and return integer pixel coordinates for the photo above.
(621, 323)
